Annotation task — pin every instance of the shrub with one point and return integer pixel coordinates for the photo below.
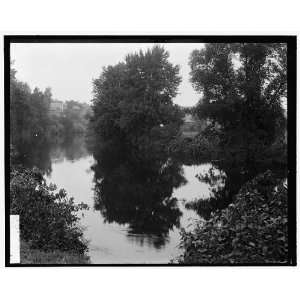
(48, 219)
(204, 146)
(253, 229)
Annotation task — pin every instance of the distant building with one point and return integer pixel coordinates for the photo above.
(56, 107)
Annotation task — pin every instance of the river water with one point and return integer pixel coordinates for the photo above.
(111, 241)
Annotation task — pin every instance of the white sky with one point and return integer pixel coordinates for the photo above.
(70, 68)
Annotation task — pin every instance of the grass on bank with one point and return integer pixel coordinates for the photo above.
(37, 256)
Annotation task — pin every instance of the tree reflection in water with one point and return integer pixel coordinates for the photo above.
(225, 178)
(140, 196)
(33, 152)
(72, 149)
(41, 152)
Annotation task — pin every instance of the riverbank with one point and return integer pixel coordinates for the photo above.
(253, 229)
(50, 231)
(37, 256)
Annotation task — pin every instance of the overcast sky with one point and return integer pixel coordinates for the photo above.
(70, 68)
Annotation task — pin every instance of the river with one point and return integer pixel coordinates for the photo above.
(69, 166)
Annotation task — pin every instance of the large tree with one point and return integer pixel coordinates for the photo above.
(132, 105)
(242, 86)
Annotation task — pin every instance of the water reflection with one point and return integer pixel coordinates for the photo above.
(71, 149)
(141, 201)
(141, 198)
(225, 178)
(41, 153)
(33, 152)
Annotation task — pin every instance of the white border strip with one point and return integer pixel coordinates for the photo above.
(14, 239)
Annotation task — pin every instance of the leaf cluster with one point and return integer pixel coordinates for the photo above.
(48, 218)
(253, 229)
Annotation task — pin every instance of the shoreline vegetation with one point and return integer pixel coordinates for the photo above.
(49, 221)
(30, 255)
(245, 221)
(252, 229)
(134, 130)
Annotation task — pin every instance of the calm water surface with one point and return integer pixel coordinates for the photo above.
(69, 167)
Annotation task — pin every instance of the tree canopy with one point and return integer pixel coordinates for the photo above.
(28, 110)
(243, 86)
(132, 105)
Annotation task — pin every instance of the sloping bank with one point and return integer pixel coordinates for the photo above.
(49, 222)
(253, 229)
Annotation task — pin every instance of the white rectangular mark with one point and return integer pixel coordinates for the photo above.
(14, 239)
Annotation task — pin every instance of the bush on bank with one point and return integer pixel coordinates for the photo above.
(48, 218)
(203, 146)
(253, 229)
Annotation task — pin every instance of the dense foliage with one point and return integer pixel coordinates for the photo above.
(48, 218)
(253, 229)
(133, 112)
(201, 148)
(28, 110)
(243, 86)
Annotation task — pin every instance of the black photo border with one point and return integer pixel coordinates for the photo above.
(291, 42)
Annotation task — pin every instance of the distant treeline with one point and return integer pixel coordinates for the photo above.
(31, 116)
